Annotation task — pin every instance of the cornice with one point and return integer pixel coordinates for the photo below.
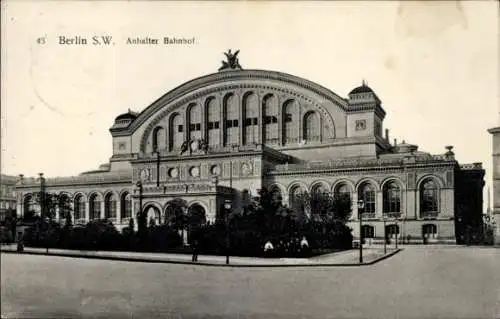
(358, 167)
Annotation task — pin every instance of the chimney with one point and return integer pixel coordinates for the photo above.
(387, 134)
(395, 142)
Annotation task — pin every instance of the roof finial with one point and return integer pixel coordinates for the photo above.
(363, 82)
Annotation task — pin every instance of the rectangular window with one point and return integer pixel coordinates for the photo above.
(229, 123)
(216, 125)
(180, 128)
(195, 127)
(255, 121)
(288, 118)
(248, 122)
(210, 125)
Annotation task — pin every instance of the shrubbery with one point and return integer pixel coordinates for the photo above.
(264, 219)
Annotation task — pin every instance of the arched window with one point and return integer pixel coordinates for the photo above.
(392, 198)
(320, 191)
(79, 208)
(231, 114)
(159, 138)
(194, 127)
(95, 207)
(368, 231)
(276, 194)
(63, 206)
(290, 123)
(152, 213)
(311, 127)
(176, 131)
(125, 206)
(270, 119)
(251, 116)
(28, 205)
(296, 199)
(428, 199)
(367, 194)
(343, 190)
(110, 206)
(429, 231)
(213, 121)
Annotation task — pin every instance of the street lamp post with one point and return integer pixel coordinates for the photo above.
(139, 213)
(227, 210)
(396, 231)
(43, 212)
(385, 234)
(361, 206)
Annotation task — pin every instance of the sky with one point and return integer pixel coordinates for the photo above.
(434, 66)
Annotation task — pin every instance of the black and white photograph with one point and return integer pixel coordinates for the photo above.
(250, 159)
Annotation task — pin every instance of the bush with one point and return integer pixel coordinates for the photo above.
(162, 238)
(6, 235)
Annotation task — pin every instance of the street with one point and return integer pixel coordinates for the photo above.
(419, 282)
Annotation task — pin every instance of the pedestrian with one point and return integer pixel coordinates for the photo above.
(268, 248)
(195, 250)
(304, 246)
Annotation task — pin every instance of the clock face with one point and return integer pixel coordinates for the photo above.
(173, 172)
(215, 170)
(144, 174)
(194, 171)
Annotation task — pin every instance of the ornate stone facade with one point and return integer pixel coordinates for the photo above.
(209, 139)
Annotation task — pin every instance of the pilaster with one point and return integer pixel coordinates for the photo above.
(355, 206)
(118, 211)
(87, 211)
(102, 212)
(379, 204)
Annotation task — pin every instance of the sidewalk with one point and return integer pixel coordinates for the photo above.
(343, 258)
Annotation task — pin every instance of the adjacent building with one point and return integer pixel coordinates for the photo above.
(495, 132)
(221, 136)
(7, 195)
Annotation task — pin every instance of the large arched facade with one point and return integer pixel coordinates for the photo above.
(207, 141)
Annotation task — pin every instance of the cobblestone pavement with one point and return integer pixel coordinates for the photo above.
(419, 282)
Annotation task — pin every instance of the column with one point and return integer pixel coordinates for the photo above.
(280, 120)
(135, 211)
(204, 115)
(301, 129)
(241, 127)
(168, 128)
(222, 124)
(102, 215)
(118, 211)
(71, 210)
(355, 205)
(259, 118)
(379, 205)
(87, 211)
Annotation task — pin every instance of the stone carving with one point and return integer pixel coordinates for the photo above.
(232, 61)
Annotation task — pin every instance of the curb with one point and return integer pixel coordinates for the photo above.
(210, 264)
